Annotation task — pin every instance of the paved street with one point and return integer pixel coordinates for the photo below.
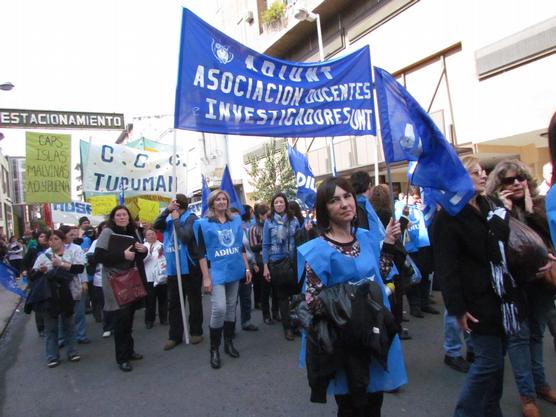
(265, 381)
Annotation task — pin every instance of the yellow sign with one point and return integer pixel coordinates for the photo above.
(103, 204)
(48, 168)
(148, 210)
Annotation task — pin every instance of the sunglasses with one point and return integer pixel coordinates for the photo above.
(511, 180)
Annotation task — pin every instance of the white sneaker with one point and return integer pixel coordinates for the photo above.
(107, 333)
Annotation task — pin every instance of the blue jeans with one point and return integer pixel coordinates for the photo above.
(482, 388)
(51, 333)
(80, 320)
(525, 349)
(452, 337)
(223, 304)
(244, 295)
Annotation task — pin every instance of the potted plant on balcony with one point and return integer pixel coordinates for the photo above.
(272, 17)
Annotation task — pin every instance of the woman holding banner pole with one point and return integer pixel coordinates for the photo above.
(223, 264)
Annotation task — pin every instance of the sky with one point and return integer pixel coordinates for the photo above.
(106, 56)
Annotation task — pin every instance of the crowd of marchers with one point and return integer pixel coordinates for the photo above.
(335, 276)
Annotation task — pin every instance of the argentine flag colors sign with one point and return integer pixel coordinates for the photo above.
(225, 87)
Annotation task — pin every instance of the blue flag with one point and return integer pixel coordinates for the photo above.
(7, 279)
(227, 185)
(225, 87)
(205, 191)
(304, 178)
(409, 134)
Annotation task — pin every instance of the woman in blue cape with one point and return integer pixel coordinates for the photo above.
(223, 264)
(344, 254)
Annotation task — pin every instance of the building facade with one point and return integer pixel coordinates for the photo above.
(483, 70)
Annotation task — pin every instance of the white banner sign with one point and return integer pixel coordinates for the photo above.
(70, 213)
(113, 168)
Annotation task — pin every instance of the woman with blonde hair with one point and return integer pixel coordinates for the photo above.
(223, 264)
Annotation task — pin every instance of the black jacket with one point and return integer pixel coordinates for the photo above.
(462, 267)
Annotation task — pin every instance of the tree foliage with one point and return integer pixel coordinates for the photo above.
(271, 172)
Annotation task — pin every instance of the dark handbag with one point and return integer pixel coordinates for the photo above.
(281, 272)
(127, 286)
(526, 251)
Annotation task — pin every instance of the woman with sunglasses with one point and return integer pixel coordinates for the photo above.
(511, 181)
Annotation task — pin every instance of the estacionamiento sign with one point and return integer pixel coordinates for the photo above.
(60, 119)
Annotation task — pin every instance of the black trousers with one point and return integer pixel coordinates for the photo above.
(418, 294)
(123, 326)
(265, 293)
(108, 318)
(283, 293)
(154, 294)
(371, 409)
(191, 284)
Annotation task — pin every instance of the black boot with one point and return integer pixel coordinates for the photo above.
(215, 339)
(228, 343)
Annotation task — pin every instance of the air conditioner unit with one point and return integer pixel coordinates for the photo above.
(249, 17)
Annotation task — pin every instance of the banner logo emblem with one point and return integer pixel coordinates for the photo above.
(221, 52)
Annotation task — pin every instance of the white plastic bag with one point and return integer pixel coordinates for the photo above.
(160, 271)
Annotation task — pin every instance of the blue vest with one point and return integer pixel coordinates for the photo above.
(333, 268)
(375, 225)
(417, 233)
(224, 245)
(169, 251)
(550, 202)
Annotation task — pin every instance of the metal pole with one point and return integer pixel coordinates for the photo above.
(321, 57)
(176, 249)
(376, 162)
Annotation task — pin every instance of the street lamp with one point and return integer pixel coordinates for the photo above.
(6, 86)
(302, 14)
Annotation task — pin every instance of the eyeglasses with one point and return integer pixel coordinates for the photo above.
(511, 180)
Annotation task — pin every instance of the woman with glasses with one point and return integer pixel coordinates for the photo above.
(511, 181)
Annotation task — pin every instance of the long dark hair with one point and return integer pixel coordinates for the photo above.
(295, 209)
(325, 192)
(286, 211)
(259, 210)
(552, 146)
(111, 224)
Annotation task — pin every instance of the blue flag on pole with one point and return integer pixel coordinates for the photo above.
(409, 134)
(304, 178)
(227, 185)
(205, 191)
(7, 279)
(225, 87)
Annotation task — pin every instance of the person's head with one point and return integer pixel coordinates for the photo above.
(247, 213)
(478, 176)
(218, 203)
(514, 176)
(182, 202)
(380, 197)
(335, 203)
(261, 211)
(68, 231)
(120, 218)
(56, 240)
(90, 232)
(13, 239)
(278, 204)
(84, 223)
(295, 211)
(42, 238)
(150, 235)
(100, 227)
(552, 145)
(360, 181)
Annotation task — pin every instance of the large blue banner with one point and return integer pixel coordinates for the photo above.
(225, 87)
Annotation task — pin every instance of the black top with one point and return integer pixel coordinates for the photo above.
(463, 269)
